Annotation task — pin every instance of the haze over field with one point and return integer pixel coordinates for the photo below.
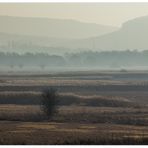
(99, 27)
(75, 34)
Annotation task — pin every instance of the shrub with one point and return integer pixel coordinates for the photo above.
(49, 102)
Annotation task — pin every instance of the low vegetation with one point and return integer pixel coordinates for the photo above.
(49, 102)
(78, 113)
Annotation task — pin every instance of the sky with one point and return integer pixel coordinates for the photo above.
(101, 13)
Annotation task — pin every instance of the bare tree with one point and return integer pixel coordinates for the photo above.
(49, 102)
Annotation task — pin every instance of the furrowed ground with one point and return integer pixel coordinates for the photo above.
(94, 108)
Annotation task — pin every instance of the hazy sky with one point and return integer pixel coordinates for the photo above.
(106, 13)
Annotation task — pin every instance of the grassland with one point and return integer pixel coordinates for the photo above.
(94, 108)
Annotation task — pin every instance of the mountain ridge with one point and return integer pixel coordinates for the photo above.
(56, 28)
(132, 35)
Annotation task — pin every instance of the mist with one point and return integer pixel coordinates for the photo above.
(62, 37)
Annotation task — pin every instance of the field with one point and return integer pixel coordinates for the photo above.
(95, 107)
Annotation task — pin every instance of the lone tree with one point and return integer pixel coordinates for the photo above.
(49, 102)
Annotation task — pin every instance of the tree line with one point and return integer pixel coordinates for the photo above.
(112, 59)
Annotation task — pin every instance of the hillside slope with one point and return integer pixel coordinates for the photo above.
(132, 35)
(54, 28)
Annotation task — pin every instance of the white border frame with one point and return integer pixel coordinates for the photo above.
(72, 1)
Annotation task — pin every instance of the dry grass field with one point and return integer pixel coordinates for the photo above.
(14, 132)
(93, 108)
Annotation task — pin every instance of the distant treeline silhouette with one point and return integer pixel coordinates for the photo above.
(112, 59)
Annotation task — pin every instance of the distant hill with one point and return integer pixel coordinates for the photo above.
(68, 35)
(53, 28)
(26, 43)
(132, 35)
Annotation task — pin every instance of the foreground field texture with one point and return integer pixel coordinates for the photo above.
(95, 108)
